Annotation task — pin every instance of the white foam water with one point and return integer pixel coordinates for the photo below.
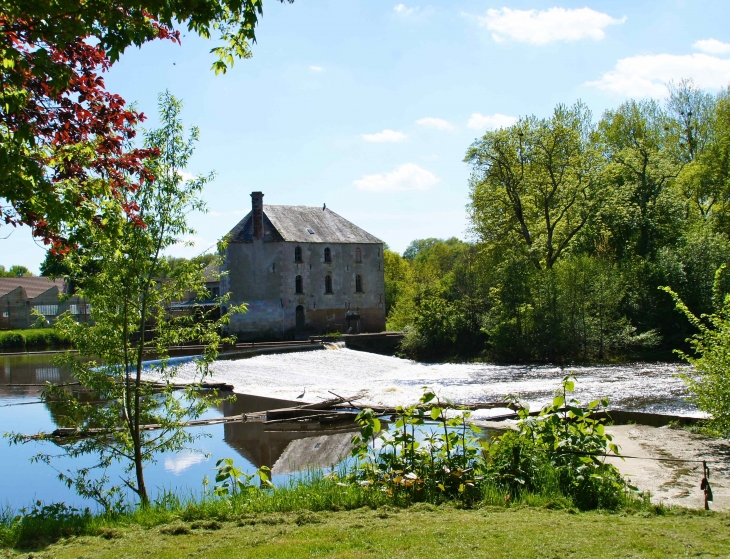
(316, 375)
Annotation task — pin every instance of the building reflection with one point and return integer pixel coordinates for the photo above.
(286, 447)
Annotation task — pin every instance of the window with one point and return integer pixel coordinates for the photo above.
(6, 314)
(328, 284)
(298, 254)
(81, 309)
(298, 284)
(358, 284)
(47, 310)
(358, 255)
(327, 255)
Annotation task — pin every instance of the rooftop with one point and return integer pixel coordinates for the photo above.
(302, 224)
(33, 286)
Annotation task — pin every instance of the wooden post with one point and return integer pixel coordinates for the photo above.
(705, 485)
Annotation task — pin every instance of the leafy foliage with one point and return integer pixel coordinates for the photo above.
(562, 450)
(709, 382)
(575, 224)
(15, 271)
(130, 323)
(574, 443)
(63, 137)
(232, 481)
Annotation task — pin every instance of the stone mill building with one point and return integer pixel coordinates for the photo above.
(302, 270)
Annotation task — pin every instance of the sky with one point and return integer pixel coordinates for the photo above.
(369, 106)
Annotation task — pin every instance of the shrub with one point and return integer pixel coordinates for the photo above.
(710, 381)
(11, 339)
(34, 337)
(559, 453)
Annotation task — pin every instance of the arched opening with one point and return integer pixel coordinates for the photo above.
(358, 284)
(327, 255)
(298, 285)
(358, 255)
(297, 254)
(328, 284)
(300, 318)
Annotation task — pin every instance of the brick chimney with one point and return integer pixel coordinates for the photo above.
(257, 209)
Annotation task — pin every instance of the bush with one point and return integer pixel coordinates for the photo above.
(574, 443)
(560, 454)
(710, 380)
(32, 338)
(11, 339)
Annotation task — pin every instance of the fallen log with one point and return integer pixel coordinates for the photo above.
(339, 416)
(327, 411)
(387, 410)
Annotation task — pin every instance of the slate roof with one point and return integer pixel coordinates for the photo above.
(33, 286)
(292, 223)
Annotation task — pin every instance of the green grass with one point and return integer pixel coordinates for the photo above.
(32, 338)
(419, 531)
(314, 500)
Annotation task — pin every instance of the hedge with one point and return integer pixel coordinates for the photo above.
(32, 338)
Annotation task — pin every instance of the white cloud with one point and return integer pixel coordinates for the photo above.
(408, 176)
(647, 75)
(316, 68)
(432, 157)
(438, 123)
(546, 26)
(182, 461)
(712, 46)
(403, 10)
(489, 122)
(385, 136)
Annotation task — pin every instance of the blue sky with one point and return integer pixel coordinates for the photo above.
(370, 105)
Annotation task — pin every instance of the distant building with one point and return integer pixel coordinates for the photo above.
(20, 296)
(302, 270)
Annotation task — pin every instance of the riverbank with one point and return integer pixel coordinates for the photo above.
(419, 531)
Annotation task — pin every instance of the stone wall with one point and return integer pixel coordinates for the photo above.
(263, 275)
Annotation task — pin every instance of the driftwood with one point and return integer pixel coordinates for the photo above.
(328, 411)
(386, 410)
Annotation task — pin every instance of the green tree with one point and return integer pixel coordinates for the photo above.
(15, 271)
(642, 165)
(60, 130)
(131, 322)
(536, 184)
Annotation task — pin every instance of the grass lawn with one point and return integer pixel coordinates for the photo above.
(421, 531)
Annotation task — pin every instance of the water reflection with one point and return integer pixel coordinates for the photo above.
(286, 447)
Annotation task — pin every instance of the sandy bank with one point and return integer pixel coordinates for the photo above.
(674, 483)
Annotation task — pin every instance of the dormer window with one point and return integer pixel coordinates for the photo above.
(358, 255)
(297, 254)
(327, 255)
(298, 285)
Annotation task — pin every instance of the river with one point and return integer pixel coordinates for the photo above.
(267, 380)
